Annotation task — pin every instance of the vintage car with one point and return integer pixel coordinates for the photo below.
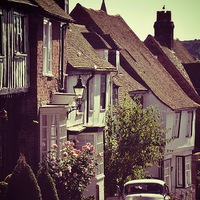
(145, 189)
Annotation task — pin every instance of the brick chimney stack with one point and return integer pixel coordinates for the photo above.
(164, 29)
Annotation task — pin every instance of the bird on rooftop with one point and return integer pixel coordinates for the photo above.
(163, 7)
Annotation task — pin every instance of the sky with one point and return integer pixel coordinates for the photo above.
(140, 15)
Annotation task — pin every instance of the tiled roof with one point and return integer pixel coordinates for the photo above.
(49, 6)
(53, 9)
(193, 70)
(101, 41)
(182, 53)
(82, 55)
(96, 41)
(140, 60)
(20, 1)
(173, 65)
(127, 84)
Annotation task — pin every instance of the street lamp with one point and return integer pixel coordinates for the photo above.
(78, 90)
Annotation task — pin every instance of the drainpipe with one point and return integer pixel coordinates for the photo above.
(88, 102)
(62, 88)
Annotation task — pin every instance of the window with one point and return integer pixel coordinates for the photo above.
(167, 170)
(95, 139)
(179, 171)
(115, 94)
(47, 48)
(91, 94)
(176, 125)
(52, 131)
(19, 33)
(1, 32)
(187, 171)
(103, 92)
(189, 124)
(99, 151)
(183, 166)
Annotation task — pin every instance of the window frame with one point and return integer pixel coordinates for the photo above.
(167, 172)
(103, 82)
(98, 143)
(1, 32)
(180, 172)
(47, 47)
(19, 30)
(91, 94)
(185, 173)
(189, 124)
(188, 180)
(115, 94)
(53, 126)
(176, 124)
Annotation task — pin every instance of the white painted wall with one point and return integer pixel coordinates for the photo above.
(181, 146)
(96, 118)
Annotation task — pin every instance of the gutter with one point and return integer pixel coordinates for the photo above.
(61, 85)
(88, 102)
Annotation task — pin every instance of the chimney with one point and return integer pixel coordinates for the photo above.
(164, 29)
(103, 6)
(64, 4)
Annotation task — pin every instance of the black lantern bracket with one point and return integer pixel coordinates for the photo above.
(78, 90)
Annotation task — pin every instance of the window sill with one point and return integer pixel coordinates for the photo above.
(78, 113)
(48, 75)
(100, 176)
(102, 110)
(18, 54)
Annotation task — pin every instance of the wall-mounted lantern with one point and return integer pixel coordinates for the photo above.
(78, 90)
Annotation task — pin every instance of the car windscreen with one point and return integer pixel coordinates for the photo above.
(139, 188)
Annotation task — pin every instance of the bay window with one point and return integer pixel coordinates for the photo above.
(53, 129)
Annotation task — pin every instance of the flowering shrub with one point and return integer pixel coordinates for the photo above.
(72, 170)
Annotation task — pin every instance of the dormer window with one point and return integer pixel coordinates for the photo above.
(114, 58)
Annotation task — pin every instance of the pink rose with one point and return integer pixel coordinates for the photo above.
(55, 146)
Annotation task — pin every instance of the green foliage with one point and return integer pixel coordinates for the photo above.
(134, 140)
(73, 170)
(3, 188)
(23, 183)
(46, 183)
